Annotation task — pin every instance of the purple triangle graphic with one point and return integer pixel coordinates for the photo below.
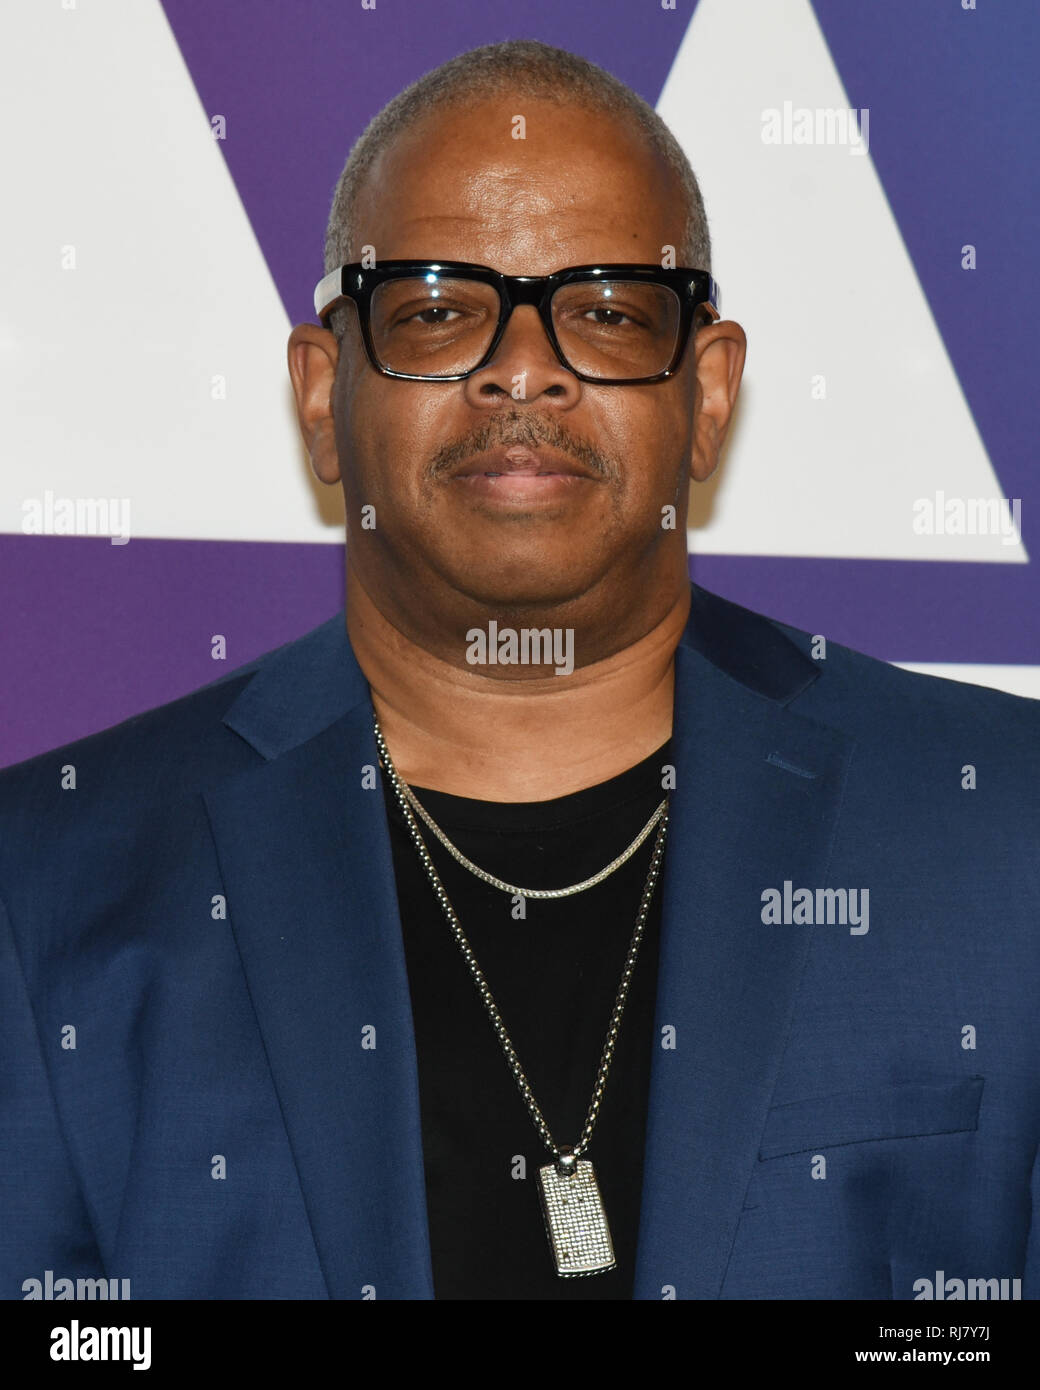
(298, 84)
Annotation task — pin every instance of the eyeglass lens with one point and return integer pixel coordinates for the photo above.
(431, 325)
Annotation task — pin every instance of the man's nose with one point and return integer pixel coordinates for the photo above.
(525, 364)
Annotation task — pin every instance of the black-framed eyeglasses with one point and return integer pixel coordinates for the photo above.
(612, 325)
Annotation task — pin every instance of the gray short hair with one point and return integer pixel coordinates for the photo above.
(525, 68)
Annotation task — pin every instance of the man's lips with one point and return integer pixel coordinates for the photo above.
(520, 478)
(518, 462)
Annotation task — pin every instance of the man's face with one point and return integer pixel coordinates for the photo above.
(579, 189)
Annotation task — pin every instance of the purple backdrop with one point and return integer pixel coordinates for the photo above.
(93, 633)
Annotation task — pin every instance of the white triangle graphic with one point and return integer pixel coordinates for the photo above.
(107, 389)
(811, 262)
(1015, 680)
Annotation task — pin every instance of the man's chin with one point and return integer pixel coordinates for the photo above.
(508, 588)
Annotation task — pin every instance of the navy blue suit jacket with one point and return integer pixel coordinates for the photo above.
(834, 1113)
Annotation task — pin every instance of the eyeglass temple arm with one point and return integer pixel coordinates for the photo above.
(328, 291)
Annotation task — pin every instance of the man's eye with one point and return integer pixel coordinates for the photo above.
(421, 314)
(616, 314)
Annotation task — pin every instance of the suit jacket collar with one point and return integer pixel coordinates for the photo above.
(305, 853)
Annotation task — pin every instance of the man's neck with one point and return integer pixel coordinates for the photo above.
(455, 729)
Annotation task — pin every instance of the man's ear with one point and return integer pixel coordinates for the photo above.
(720, 349)
(313, 354)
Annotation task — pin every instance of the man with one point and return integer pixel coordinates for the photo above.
(286, 1014)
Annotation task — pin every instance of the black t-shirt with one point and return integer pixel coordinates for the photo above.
(554, 976)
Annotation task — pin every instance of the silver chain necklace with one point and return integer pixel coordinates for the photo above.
(511, 888)
(572, 1206)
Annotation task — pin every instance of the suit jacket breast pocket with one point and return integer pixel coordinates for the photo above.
(858, 1193)
(906, 1110)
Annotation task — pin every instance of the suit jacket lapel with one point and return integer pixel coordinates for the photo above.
(305, 856)
(755, 803)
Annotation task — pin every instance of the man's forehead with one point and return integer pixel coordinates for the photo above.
(516, 136)
(462, 171)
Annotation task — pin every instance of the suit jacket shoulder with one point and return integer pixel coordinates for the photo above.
(119, 776)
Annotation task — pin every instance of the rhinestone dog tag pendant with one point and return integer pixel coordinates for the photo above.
(575, 1221)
